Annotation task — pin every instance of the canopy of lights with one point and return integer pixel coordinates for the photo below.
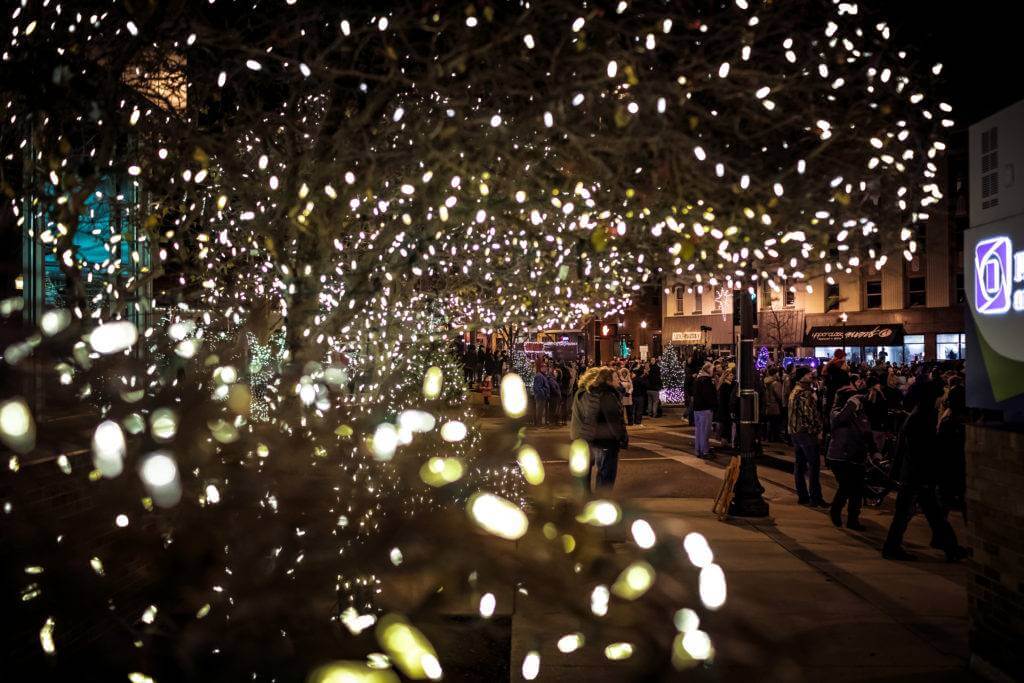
(263, 222)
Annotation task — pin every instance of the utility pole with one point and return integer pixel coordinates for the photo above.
(747, 494)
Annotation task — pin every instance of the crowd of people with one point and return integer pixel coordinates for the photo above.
(910, 417)
(852, 415)
(597, 401)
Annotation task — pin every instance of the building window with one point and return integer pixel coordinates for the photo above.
(913, 348)
(698, 302)
(950, 346)
(873, 289)
(832, 298)
(961, 297)
(790, 298)
(679, 301)
(916, 292)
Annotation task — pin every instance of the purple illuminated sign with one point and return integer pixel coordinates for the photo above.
(993, 269)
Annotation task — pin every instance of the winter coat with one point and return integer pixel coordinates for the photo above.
(725, 401)
(541, 392)
(851, 433)
(919, 460)
(654, 378)
(597, 417)
(704, 395)
(626, 386)
(774, 399)
(554, 391)
(804, 416)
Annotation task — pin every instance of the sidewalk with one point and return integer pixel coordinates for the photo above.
(807, 601)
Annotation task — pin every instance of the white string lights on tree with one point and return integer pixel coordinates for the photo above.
(353, 184)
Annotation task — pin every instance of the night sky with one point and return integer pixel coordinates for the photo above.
(979, 43)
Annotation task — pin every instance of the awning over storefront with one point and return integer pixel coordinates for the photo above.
(855, 335)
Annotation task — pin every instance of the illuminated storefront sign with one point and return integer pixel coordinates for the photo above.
(997, 270)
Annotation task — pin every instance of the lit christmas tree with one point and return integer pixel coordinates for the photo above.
(673, 376)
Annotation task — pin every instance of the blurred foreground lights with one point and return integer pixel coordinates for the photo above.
(634, 581)
(619, 651)
(513, 395)
(108, 449)
(530, 464)
(441, 471)
(163, 424)
(498, 516)
(351, 672)
(690, 648)
(113, 337)
(579, 458)
(17, 428)
(531, 665)
(53, 322)
(487, 605)
(121, 521)
(408, 648)
(416, 421)
(643, 534)
(433, 379)
(712, 586)
(159, 473)
(355, 622)
(698, 550)
(600, 513)
(385, 441)
(453, 431)
(570, 643)
(686, 620)
(46, 636)
(599, 600)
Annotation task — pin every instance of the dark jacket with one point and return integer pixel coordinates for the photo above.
(654, 378)
(918, 455)
(554, 390)
(597, 417)
(851, 433)
(541, 391)
(704, 395)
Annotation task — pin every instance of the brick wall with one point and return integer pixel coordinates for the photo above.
(995, 482)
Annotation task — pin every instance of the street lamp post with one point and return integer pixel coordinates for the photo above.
(747, 494)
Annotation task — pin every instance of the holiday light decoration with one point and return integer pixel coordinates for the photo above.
(261, 226)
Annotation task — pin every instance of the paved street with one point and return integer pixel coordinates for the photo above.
(821, 601)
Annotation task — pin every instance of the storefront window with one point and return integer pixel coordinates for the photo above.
(913, 345)
(950, 346)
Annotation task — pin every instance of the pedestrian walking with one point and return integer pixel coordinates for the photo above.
(597, 419)
(920, 468)
(705, 399)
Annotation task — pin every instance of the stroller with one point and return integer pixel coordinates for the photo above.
(880, 468)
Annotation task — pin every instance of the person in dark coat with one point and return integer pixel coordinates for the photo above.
(597, 419)
(847, 452)
(541, 394)
(640, 379)
(705, 400)
(654, 387)
(725, 392)
(920, 467)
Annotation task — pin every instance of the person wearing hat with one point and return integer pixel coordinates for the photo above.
(804, 426)
(705, 399)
